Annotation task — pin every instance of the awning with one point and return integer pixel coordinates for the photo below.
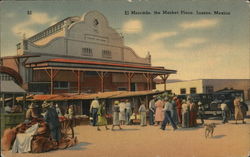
(104, 95)
(10, 87)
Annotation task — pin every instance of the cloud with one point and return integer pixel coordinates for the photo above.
(213, 60)
(10, 15)
(132, 26)
(190, 42)
(161, 35)
(204, 23)
(34, 19)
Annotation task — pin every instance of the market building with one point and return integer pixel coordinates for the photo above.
(81, 55)
(207, 86)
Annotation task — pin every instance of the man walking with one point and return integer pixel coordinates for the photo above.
(168, 118)
(94, 109)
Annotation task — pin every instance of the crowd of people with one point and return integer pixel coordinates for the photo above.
(161, 110)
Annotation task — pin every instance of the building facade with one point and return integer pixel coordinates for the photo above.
(82, 54)
(207, 86)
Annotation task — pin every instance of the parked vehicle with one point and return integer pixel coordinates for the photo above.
(212, 101)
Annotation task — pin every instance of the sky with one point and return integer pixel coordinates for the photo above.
(198, 46)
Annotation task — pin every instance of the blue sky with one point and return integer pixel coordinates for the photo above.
(197, 46)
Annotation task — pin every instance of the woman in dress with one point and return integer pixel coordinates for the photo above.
(159, 115)
(122, 117)
(102, 121)
(238, 111)
(116, 111)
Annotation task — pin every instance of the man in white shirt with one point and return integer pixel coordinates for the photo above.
(94, 109)
(225, 110)
(7, 109)
(167, 112)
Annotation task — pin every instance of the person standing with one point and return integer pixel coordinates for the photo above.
(201, 112)
(122, 112)
(58, 110)
(128, 112)
(238, 111)
(102, 121)
(185, 114)
(32, 112)
(159, 115)
(52, 120)
(94, 109)
(224, 112)
(116, 111)
(151, 108)
(174, 111)
(178, 106)
(193, 114)
(142, 110)
(168, 118)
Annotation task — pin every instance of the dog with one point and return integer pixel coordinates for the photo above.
(209, 129)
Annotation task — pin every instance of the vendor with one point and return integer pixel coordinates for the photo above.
(7, 109)
(51, 117)
(32, 112)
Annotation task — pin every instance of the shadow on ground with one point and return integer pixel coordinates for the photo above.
(128, 129)
(189, 129)
(79, 146)
(218, 136)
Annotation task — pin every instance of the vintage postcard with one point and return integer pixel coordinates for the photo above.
(127, 78)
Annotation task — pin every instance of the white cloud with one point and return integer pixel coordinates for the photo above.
(204, 23)
(152, 43)
(34, 19)
(10, 15)
(190, 42)
(213, 60)
(132, 26)
(161, 35)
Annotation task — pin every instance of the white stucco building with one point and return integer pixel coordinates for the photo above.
(81, 53)
(207, 86)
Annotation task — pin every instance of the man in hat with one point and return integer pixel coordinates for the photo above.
(32, 112)
(128, 111)
(167, 112)
(94, 109)
(51, 117)
(151, 108)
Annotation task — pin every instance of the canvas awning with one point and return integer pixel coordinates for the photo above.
(10, 87)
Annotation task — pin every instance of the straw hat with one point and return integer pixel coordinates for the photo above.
(116, 102)
(45, 105)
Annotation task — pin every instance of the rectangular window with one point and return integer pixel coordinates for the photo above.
(87, 52)
(193, 90)
(183, 91)
(61, 85)
(106, 54)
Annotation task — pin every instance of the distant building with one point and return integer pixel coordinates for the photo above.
(81, 55)
(207, 86)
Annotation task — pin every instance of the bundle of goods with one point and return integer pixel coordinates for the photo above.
(34, 137)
